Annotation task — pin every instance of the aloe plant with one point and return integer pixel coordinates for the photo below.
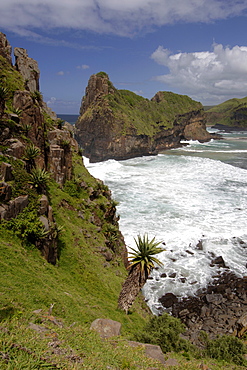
(142, 262)
(39, 179)
(31, 152)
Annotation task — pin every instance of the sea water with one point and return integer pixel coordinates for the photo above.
(183, 196)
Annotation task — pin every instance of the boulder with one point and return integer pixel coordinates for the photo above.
(44, 203)
(168, 300)
(214, 298)
(242, 325)
(16, 148)
(219, 261)
(6, 172)
(151, 350)
(106, 328)
(14, 207)
(45, 222)
(5, 191)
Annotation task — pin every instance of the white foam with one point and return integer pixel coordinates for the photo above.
(181, 200)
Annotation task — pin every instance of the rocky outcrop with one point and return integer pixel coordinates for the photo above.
(60, 154)
(219, 309)
(13, 207)
(29, 69)
(105, 130)
(98, 86)
(5, 48)
(36, 148)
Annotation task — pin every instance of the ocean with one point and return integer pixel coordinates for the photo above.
(197, 193)
(71, 118)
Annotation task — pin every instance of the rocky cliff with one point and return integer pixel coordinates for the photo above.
(36, 151)
(119, 124)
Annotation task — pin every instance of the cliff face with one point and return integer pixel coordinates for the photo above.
(36, 151)
(119, 124)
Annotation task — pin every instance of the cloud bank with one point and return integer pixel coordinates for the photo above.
(111, 16)
(209, 77)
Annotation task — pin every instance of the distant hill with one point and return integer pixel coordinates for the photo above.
(230, 114)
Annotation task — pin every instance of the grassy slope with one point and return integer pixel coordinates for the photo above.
(224, 113)
(81, 287)
(148, 117)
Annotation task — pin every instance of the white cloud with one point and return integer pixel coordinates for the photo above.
(60, 73)
(83, 66)
(208, 76)
(111, 16)
(63, 106)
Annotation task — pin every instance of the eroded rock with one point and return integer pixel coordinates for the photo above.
(106, 328)
(5, 48)
(29, 69)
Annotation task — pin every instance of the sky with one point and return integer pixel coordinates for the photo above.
(192, 47)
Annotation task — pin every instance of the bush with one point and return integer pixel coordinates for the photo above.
(72, 187)
(27, 225)
(164, 331)
(227, 348)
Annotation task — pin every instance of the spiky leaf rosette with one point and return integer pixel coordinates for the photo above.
(31, 152)
(144, 254)
(141, 265)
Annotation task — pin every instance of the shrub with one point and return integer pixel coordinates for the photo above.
(227, 348)
(163, 331)
(27, 225)
(72, 187)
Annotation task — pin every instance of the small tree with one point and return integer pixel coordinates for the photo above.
(141, 265)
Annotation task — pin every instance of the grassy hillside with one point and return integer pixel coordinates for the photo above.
(232, 112)
(149, 116)
(46, 309)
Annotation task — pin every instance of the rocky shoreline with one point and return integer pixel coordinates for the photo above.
(219, 309)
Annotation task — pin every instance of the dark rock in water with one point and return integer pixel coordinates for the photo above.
(199, 245)
(189, 252)
(164, 275)
(219, 261)
(168, 300)
(173, 275)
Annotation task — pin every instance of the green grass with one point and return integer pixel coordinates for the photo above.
(148, 117)
(132, 114)
(11, 79)
(232, 112)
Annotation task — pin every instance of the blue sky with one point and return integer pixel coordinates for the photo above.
(192, 47)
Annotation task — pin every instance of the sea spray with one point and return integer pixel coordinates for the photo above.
(194, 204)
